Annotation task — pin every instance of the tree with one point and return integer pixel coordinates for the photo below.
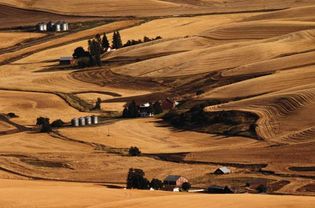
(186, 186)
(84, 58)
(105, 42)
(44, 124)
(98, 38)
(95, 51)
(57, 123)
(98, 104)
(156, 184)
(157, 108)
(78, 52)
(117, 43)
(136, 179)
(134, 151)
(131, 111)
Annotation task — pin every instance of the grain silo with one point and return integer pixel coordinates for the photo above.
(88, 120)
(75, 122)
(82, 121)
(94, 120)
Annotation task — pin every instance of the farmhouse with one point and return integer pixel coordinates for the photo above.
(145, 110)
(174, 180)
(67, 60)
(222, 171)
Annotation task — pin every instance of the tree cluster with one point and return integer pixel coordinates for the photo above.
(136, 180)
(92, 57)
(145, 39)
(131, 110)
(45, 125)
(134, 151)
(117, 43)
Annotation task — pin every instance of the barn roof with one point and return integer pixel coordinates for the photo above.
(224, 170)
(172, 178)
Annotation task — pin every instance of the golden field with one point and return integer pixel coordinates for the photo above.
(253, 62)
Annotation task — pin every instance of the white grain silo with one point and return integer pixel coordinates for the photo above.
(94, 120)
(88, 120)
(75, 122)
(82, 121)
(58, 27)
(64, 26)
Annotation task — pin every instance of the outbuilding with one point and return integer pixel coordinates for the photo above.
(222, 171)
(67, 60)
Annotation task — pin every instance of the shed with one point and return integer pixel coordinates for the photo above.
(67, 60)
(222, 171)
(219, 189)
(174, 180)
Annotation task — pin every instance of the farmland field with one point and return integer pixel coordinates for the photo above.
(242, 71)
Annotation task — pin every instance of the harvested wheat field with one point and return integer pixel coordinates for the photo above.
(17, 38)
(226, 83)
(67, 195)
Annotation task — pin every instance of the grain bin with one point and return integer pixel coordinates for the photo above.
(88, 120)
(82, 121)
(75, 122)
(94, 120)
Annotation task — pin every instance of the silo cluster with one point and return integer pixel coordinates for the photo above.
(84, 121)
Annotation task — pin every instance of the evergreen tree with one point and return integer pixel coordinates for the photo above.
(105, 42)
(117, 43)
(96, 50)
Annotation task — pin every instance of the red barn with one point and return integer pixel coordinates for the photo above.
(174, 180)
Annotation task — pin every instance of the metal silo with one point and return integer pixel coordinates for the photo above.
(75, 122)
(82, 121)
(94, 120)
(88, 120)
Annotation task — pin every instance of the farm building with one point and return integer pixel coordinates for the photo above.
(222, 171)
(67, 60)
(219, 189)
(53, 27)
(168, 104)
(145, 110)
(174, 180)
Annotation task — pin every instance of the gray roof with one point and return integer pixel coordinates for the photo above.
(172, 178)
(66, 58)
(224, 170)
